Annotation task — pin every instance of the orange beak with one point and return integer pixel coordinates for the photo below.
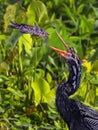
(61, 52)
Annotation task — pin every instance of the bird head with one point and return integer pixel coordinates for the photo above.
(69, 54)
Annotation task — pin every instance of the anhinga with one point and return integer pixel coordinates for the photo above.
(75, 114)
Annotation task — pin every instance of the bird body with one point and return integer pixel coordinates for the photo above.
(77, 115)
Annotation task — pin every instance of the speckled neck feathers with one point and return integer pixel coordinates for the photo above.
(74, 65)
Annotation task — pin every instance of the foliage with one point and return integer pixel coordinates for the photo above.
(30, 71)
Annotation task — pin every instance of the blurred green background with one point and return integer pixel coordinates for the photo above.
(30, 72)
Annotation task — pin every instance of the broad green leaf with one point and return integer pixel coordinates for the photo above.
(25, 40)
(41, 90)
(37, 12)
(50, 96)
(54, 40)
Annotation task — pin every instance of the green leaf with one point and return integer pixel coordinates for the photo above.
(69, 13)
(86, 25)
(9, 15)
(80, 8)
(25, 40)
(4, 67)
(13, 39)
(49, 77)
(37, 12)
(3, 37)
(95, 10)
(54, 40)
(37, 54)
(95, 66)
(15, 92)
(94, 79)
(1, 110)
(52, 61)
(41, 90)
(13, 12)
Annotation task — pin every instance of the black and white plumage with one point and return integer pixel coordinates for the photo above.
(77, 115)
(28, 29)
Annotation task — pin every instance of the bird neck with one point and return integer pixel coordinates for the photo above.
(72, 84)
(74, 76)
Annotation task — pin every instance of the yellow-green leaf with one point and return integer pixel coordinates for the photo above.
(41, 90)
(16, 93)
(37, 12)
(25, 40)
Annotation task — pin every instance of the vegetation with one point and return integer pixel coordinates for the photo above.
(30, 71)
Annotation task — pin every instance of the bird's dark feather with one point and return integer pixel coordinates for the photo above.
(89, 116)
(77, 115)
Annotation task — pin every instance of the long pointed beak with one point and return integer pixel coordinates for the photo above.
(63, 42)
(61, 52)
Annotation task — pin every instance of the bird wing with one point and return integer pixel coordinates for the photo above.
(90, 123)
(89, 116)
